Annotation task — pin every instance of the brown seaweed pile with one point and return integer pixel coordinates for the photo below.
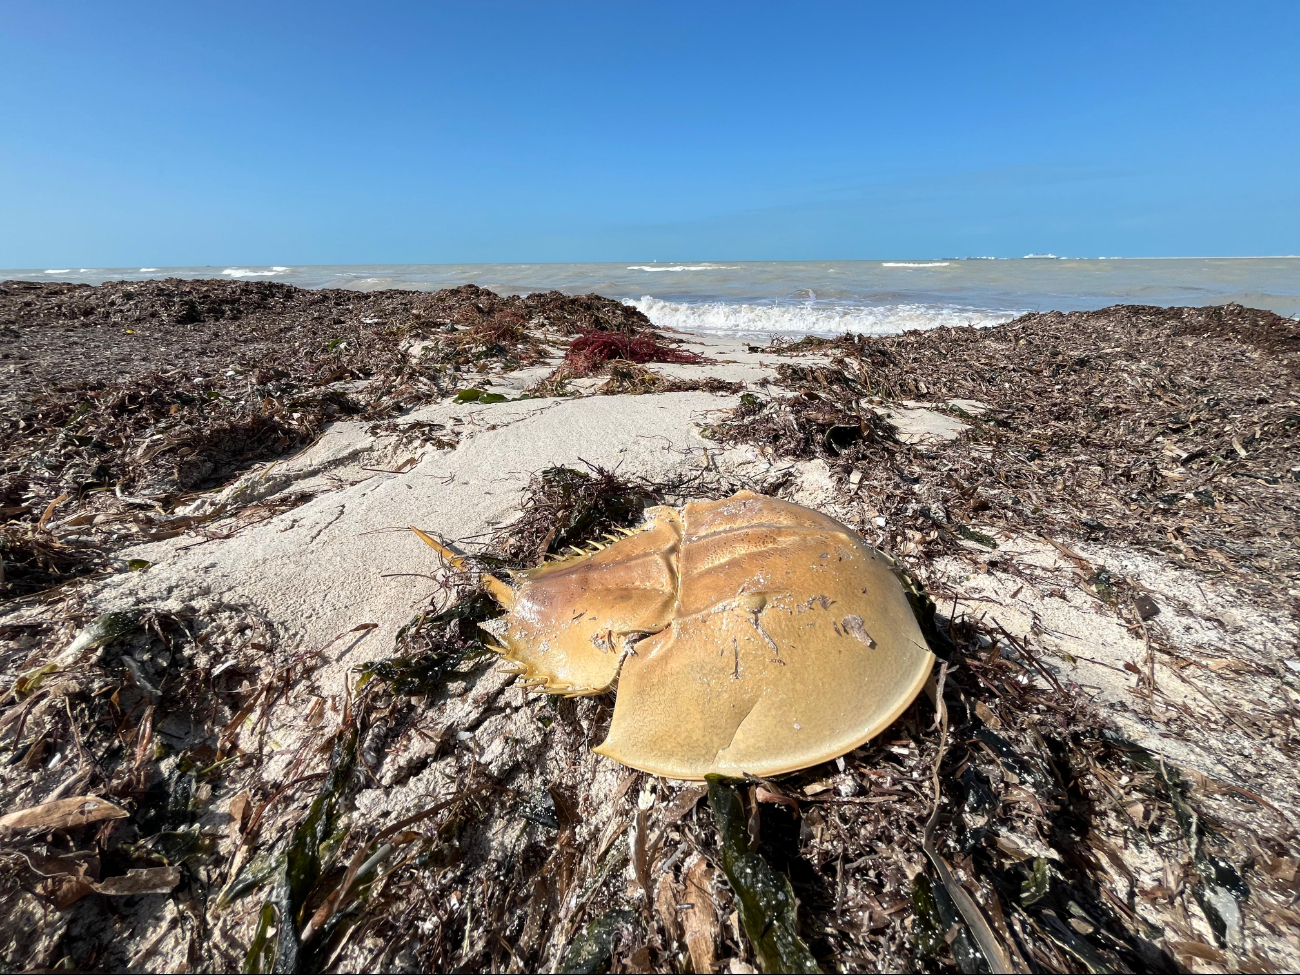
(121, 401)
(180, 790)
(1012, 830)
(1022, 861)
(566, 508)
(1177, 430)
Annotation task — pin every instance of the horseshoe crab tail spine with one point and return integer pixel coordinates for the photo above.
(497, 589)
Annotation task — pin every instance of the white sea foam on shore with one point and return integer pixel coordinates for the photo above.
(810, 319)
(244, 272)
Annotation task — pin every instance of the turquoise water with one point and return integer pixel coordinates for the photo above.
(826, 297)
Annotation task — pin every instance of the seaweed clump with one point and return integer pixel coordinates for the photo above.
(118, 732)
(622, 355)
(629, 378)
(827, 423)
(568, 509)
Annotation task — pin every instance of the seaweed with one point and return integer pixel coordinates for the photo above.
(441, 643)
(1078, 850)
(593, 949)
(939, 926)
(130, 696)
(128, 400)
(567, 509)
(764, 898)
(629, 378)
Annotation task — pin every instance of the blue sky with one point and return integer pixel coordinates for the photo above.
(287, 133)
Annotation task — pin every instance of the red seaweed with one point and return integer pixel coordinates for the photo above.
(590, 349)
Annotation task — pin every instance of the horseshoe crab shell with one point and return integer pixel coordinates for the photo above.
(748, 635)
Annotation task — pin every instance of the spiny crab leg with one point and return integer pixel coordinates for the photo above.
(497, 589)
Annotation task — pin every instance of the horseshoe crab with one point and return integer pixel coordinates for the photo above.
(748, 635)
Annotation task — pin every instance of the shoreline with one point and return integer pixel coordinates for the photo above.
(988, 287)
(1103, 502)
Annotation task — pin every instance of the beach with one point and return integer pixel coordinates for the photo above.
(221, 476)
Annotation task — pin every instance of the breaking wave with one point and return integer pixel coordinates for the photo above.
(244, 272)
(681, 267)
(811, 319)
(915, 263)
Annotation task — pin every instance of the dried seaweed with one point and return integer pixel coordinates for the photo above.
(590, 350)
(628, 378)
(1172, 429)
(566, 508)
(125, 709)
(593, 949)
(809, 424)
(1081, 850)
(127, 400)
(32, 560)
(1029, 820)
(305, 854)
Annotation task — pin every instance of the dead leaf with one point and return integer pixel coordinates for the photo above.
(666, 907)
(1137, 811)
(682, 804)
(67, 890)
(628, 781)
(145, 737)
(1197, 949)
(45, 518)
(700, 918)
(67, 879)
(764, 794)
(64, 814)
(1281, 868)
(238, 812)
(638, 847)
(983, 712)
(142, 880)
(1224, 663)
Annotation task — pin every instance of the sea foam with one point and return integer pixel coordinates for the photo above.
(244, 272)
(811, 319)
(681, 267)
(915, 263)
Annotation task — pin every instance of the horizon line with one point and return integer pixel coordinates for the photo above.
(133, 268)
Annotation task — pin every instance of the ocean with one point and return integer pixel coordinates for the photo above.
(764, 299)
